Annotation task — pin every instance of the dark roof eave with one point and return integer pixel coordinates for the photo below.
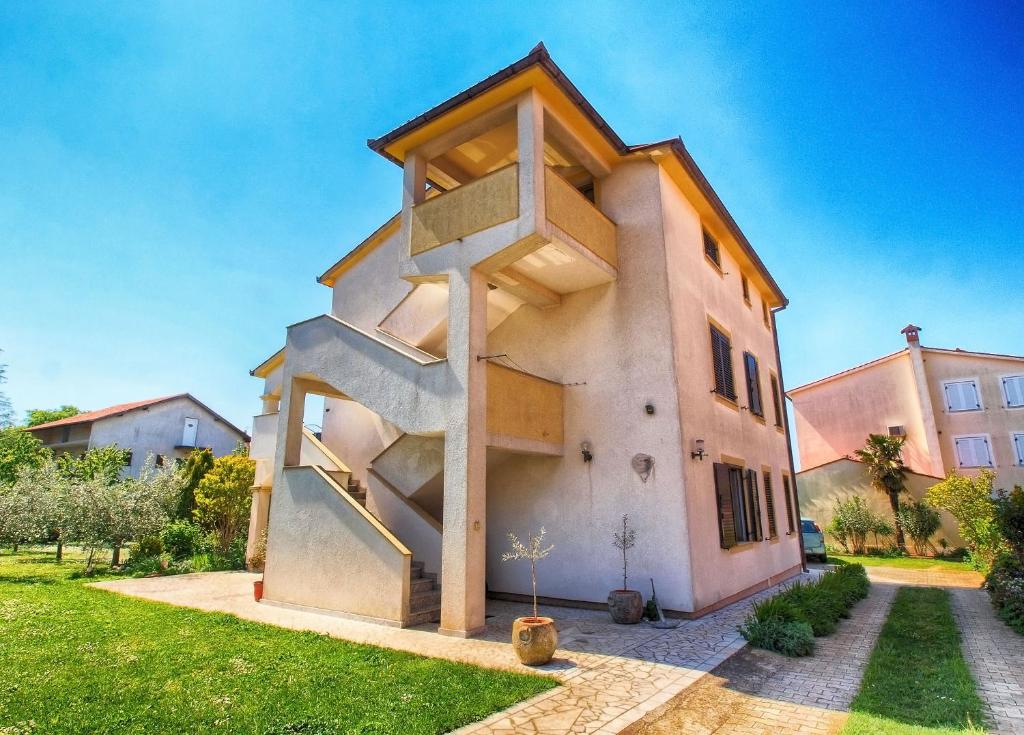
(539, 56)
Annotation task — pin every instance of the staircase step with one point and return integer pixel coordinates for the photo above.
(427, 616)
(421, 584)
(425, 601)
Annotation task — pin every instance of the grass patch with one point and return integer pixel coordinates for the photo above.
(917, 682)
(903, 562)
(79, 660)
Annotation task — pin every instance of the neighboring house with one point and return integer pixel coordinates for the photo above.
(956, 409)
(168, 428)
(557, 329)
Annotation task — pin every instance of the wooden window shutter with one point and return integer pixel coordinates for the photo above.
(1018, 445)
(721, 356)
(754, 530)
(753, 384)
(789, 502)
(776, 400)
(769, 503)
(726, 517)
(962, 395)
(711, 248)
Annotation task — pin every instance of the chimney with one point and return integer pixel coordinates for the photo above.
(912, 334)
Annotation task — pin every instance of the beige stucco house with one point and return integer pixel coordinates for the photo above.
(555, 330)
(168, 428)
(956, 409)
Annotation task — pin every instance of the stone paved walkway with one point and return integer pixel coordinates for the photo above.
(761, 692)
(611, 675)
(995, 654)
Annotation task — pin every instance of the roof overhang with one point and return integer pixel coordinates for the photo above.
(360, 251)
(267, 366)
(536, 71)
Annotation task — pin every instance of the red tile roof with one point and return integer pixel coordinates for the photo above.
(103, 413)
(89, 416)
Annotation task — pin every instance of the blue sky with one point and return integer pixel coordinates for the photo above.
(173, 176)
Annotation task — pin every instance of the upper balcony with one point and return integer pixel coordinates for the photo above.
(514, 192)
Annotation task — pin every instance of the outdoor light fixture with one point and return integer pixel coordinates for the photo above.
(585, 451)
(649, 408)
(698, 450)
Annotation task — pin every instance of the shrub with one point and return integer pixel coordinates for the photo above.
(146, 546)
(969, 500)
(920, 521)
(794, 638)
(783, 623)
(852, 521)
(183, 539)
(223, 498)
(1009, 512)
(1005, 584)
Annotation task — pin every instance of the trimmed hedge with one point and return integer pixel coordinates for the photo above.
(788, 622)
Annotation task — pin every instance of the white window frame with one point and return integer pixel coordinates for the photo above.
(988, 442)
(1002, 388)
(977, 392)
(1018, 447)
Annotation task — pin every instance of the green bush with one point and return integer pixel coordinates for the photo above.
(1005, 584)
(146, 547)
(852, 521)
(783, 622)
(793, 638)
(183, 539)
(1010, 519)
(920, 521)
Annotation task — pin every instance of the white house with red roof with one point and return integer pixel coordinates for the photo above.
(168, 428)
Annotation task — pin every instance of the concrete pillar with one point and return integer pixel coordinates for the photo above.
(463, 546)
(271, 403)
(258, 517)
(289, 425)
(530, 143)
(414, 180)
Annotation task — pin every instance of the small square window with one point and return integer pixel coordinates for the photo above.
(711, 249)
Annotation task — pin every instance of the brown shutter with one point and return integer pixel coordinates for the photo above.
(721, 355)
(754, 510)
(726, 519)
(753, 384)
(769, 502)
(789, 502)
(776, 401)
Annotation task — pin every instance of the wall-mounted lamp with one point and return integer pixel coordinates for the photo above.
(698, 450)
(649, 408)
(585, 451)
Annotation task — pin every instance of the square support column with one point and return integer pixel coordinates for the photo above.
(530, 151)
(259, 514)
(463, 545)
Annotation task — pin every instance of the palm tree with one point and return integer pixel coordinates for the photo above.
(883, 457)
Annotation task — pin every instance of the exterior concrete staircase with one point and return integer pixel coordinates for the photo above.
(424, 592)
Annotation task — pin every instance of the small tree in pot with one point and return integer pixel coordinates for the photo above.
(625, 605)
(535, 638)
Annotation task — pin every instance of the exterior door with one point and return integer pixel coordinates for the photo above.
(188, 437)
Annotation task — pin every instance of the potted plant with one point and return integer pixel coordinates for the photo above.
(535, 638)
(256, 563)
(626, 606)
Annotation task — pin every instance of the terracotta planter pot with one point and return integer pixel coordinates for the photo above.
(626, 606)
(534, 639)
(257, 590)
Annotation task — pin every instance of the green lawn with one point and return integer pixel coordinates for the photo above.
(904, 562)
(917, 682)
(82, 660)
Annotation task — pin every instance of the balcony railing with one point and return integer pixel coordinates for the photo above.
(523, 407)
(571, 212)
(473, 207)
